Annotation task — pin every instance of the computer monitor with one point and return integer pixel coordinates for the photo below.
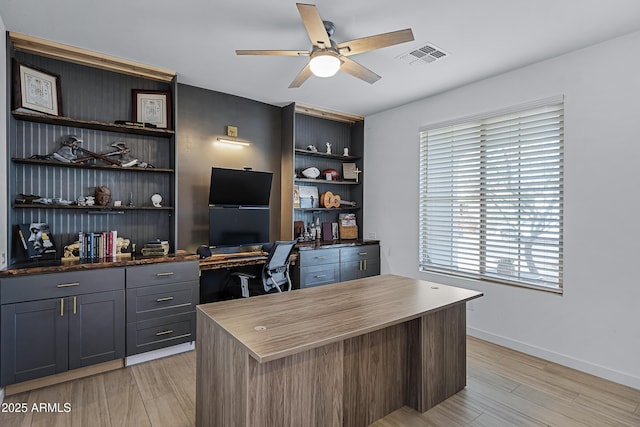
(238, 226)
(238, 187)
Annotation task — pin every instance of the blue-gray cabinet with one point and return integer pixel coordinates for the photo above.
(161, 305)
(330, 264)
(51, 323)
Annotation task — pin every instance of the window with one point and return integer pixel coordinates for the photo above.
(491, 197)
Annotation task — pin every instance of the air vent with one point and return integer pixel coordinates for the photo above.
(423, 55)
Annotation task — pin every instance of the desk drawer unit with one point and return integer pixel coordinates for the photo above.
(154, 334)
(161, 305)
(152, 302)
(319, 257)
(319, 267)
(162, 273)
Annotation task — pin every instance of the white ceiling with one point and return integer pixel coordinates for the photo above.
(198, 38)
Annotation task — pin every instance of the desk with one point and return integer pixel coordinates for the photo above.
(344, 354)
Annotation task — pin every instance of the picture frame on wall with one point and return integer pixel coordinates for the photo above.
(152, 106)
(37, 90)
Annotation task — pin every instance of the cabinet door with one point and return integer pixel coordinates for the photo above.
(34, 339)
(360, 261)
(371, 267)
(350, 270)
(96, 328)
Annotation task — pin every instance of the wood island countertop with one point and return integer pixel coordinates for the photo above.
(274, 326)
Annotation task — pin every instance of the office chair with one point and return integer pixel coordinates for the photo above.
(275, 273)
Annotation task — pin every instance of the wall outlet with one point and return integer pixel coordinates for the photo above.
(372, 235)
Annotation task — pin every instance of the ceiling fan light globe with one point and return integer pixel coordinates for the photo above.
(324, 65)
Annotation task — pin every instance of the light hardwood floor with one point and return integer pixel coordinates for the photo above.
(504, 388)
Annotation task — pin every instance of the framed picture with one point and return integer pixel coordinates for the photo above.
(152, 106)
(38, 90)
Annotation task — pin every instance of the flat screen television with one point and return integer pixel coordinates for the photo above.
(238, 187)
(238, 226)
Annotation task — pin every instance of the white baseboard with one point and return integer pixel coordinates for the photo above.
(157, 354)
(561, 359)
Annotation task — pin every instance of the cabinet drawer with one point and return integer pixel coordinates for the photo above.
(319, 275)
(319, 257)
(159, 333)
(162, 273)
(357, 253)
(58, 285)
(161, 300)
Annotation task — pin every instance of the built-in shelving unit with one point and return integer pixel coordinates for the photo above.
(305, 126)
(96, 91)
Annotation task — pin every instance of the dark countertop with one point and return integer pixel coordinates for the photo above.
(322, 244)
(59, 266)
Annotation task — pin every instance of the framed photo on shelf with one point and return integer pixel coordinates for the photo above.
(37, 90)
(152, 106)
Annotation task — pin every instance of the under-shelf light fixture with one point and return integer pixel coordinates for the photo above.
(231, 138)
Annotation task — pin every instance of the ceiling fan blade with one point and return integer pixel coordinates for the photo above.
(274, 52)
(350, 66)
(314, 25)
(366, 44)
(302, 76)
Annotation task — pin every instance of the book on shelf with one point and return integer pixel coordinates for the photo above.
(98, 245)
(37, 240)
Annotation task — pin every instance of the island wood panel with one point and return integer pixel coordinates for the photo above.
(376, 375)
(221, 396)
(437, 357)
(344, 354)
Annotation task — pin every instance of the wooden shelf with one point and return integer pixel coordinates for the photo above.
(84, 166)
(325, 155)
(97, 209)
(91, 124)
(324, 181)
(346, 208)
(87, 58)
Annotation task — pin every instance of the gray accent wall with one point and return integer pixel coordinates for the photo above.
(203, 116)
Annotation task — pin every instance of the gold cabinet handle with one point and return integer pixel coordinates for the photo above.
(164, 299)
(170, 273)
(319, 276)
(320, 257)
(67, 285)
(365, 265)
(170, 331)
(362, 253)
(61, 307)
(360, 265)
(74, 305)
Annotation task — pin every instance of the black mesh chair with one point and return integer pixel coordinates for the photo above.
(275, 273)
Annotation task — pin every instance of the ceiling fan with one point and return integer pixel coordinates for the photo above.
(326, 56)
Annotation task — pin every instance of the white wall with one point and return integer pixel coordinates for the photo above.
(595, 325)
(3, 148)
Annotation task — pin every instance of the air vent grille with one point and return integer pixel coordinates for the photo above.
(423, 55)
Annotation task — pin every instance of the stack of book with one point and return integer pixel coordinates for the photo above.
(97, 246)
(153, 249)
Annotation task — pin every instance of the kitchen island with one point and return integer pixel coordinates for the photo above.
(344, 354)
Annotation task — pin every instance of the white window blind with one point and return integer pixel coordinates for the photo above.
(491, 197)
